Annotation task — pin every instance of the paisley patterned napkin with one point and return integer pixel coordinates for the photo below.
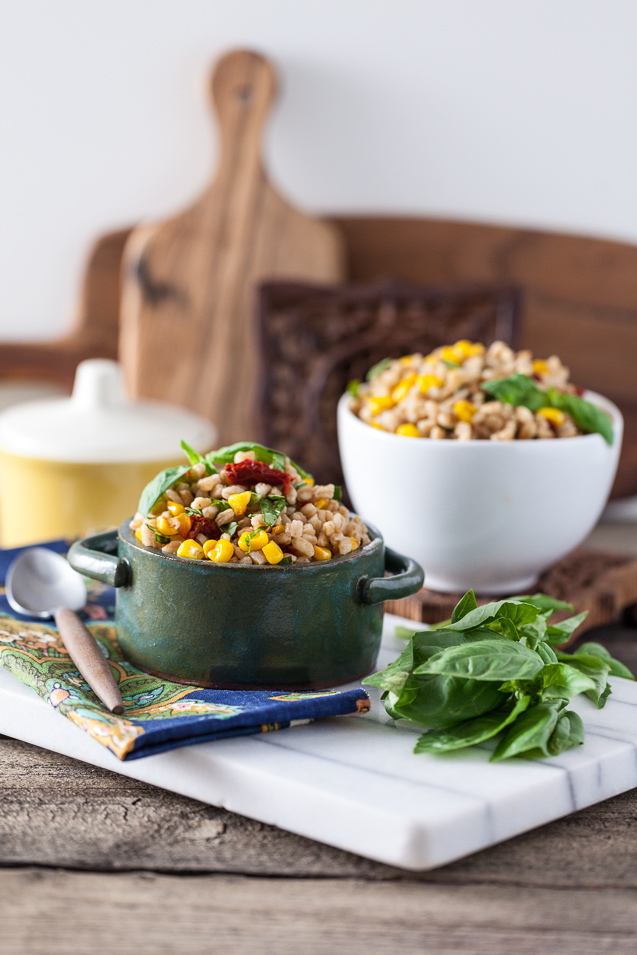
(158, 715)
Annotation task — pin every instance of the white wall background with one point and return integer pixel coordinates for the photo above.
(519, 111)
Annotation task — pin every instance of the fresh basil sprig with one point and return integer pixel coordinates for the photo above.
(522, 390)
(158, 486)
(491, 671)
(195, 458)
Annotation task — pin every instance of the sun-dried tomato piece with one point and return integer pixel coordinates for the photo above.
(256, 472)
(203, 525)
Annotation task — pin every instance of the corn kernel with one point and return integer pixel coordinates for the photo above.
(355, 544)
(220, 551)
(169, 526)
(374, 424)
(403, 387)
(239, 502)
(476, 349)
(138, 533)
(408, 430)
(191, 549)
(309, 481)
(540, 367)
(273, 553)
(554, 415)
(463, 348)
(278, 529)
(322, 503)
(322, 553)
(258, 542)
(406, 360)
(464, 410)
(185, 523)
(175, 508)
(426, 382)
(449, 353)
(380, 403)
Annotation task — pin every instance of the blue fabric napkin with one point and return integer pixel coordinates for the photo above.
(158, 715)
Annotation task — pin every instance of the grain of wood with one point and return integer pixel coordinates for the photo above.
(139, 914)
(59, 812)
(187, 325)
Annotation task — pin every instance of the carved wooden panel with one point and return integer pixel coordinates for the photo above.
(317, 338)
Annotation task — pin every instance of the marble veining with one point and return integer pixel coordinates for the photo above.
(355, 783)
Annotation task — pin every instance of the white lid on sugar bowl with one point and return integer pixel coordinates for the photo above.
(99, 424)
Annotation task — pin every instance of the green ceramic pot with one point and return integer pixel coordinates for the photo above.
(238, 626)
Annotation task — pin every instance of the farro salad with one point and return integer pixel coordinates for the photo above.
(467, 391)
(245, 504)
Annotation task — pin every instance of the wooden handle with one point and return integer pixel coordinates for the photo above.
(243, 88)
(89, 659)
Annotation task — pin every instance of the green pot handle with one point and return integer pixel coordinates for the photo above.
(407, 579)
(96, 557)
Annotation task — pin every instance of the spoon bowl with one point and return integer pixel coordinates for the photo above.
(40, 581)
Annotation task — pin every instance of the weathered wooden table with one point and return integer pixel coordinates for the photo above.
(93, 862)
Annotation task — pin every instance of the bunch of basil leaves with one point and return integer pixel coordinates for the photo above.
(522, 390)
(494, 670)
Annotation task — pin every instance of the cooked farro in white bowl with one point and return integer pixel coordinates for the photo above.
(460, 472)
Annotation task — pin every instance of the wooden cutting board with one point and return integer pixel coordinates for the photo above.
(187, 327)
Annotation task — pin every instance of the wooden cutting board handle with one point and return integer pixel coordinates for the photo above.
(188, 330)
(243, 88)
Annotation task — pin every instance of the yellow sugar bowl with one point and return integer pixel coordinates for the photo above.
(72, 466)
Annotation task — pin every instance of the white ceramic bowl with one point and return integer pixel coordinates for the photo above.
(492, 515)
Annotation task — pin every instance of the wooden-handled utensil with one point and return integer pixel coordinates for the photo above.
(40, 583)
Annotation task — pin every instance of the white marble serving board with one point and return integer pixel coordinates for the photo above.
(353, 782)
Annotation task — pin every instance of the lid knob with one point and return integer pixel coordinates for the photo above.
(99, 383)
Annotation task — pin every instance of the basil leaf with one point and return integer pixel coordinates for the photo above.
(587, 416)
(547, 654)
(530, 732)
(272, 508)
(285, 560)
(485, 660)
(229, 528)
(470, 732)
(404, 633)
(464, 606)
(451, 364)
(223, 456)
(615, 668)
(219, 503)
(158, 486)
(558, 633)
(595, 669)
(543, 602)
(194, 511)
(517, 390)
(338, 493)
(568, 732)
(563, 681)
(195, 458)
(159, 538)
(353, 387)
(491, 611)
(377, 368)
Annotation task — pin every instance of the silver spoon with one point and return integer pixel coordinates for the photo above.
(41, 583)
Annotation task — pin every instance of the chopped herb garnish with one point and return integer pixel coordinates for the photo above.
(353, 387)
(378, 368)
(271, 508)
(522, 390)
(195, 458)
(159, 538)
